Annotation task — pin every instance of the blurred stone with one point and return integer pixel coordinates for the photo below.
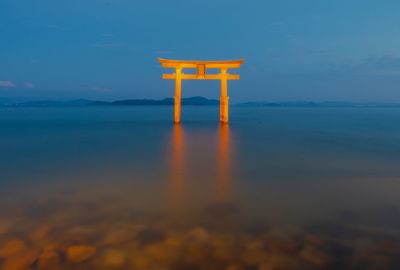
(254, 244)
(81, 229)
(254, 252)
(199, 234)
(367, 254)
(80, 253)
(221, 210)
(21, 261)
(68, 238)
(252, 257)
(167, 252)
(11, 247)
(116, 237)
(141, 261)
(210, 265)
(284, 262)
(316, 257)
(55, 246)
(40, 232)
(174, 240)
(196, 253)
(4, 228)
(174, 247)
(283, 244)
(235, 267)
(378, 262)
(150, 236)
(264, 266)
(314, 240)
(119, 234)
(388, 246)
(160, 254)
(48, 260)
(114, 259)
(223, 248)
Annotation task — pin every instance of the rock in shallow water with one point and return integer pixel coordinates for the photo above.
(284, 261)
(4, 228)
(314, 240)
(80, 253)
(223, 248)
(196, 253)
(235, 267)
(116, 237)
(40, 232)
(253, 257)
(316, 257)
(49, 259)
(150, 236)
(140, 260)
(282, 244)
(11, 247)
(199, 234)
(165, 253)
(20, 261)
(113, 259)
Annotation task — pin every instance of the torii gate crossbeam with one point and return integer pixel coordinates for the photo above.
(201, 74)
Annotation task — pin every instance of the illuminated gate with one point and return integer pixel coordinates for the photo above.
(201, 74)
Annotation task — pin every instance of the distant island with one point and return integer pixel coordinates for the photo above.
(190, 101)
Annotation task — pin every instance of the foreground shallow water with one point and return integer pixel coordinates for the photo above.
(123, 188)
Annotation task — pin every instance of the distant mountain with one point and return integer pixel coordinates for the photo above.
(200, 101)
(192, 101)
(316, 104)
(134, 102)
(49, 103)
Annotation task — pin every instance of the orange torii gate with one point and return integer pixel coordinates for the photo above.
(201, 74)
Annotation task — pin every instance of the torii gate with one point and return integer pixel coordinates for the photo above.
(201, 74)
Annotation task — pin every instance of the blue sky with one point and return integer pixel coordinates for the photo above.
(345, 50)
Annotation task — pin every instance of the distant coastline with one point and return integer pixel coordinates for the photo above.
(190, 101)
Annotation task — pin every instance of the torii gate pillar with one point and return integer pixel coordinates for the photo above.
(224, 99)
(201, 74)
(177, 97)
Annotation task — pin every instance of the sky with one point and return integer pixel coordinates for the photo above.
(310, 50)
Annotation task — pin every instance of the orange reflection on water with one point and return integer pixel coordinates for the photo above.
(224, 176)
(176, 184)
(178, 192)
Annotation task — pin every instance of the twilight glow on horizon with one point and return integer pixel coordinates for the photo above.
(294, 50)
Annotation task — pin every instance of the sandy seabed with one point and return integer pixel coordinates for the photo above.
(88, 237)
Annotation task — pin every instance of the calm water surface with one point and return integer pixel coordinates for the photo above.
(123, 188)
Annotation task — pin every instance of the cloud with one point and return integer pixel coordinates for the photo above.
(107, 45)
(101, 89)
(8, 84)
(373, 66)
(277, 23)
(162, 52)
(385, 61)
(393, 72)
(47, 25)
(386, 65)
(97, 88)
(315, 51)
(29, 85)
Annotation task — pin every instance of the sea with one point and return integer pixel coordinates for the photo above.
(123, 187)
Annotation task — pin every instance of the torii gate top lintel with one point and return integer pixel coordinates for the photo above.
(169, 63)
(201, 74)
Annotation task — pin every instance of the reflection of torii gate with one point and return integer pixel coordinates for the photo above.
(201, 68)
